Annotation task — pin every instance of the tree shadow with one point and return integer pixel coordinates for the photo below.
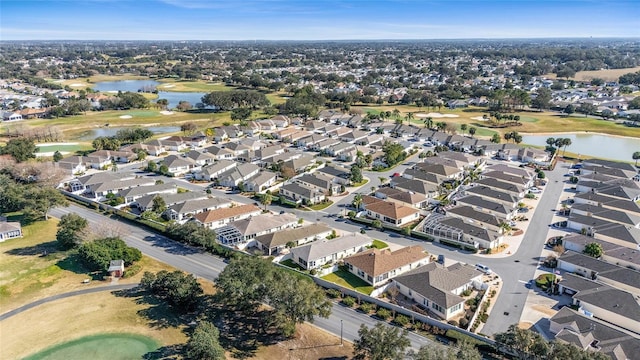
(170, 246)
(176, 351)
(42, 249)
(159, 314)
(334, 358)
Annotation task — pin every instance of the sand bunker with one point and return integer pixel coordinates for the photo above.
(436, 115)
(76, 85)
(168, 86)
(126, 117)
(479, 118)
(165, 112)
(56, 144)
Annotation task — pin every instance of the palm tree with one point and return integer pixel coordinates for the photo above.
(636, 157)
(472, 131)
(565, 142)
(551, 141)
(463, 127)
(266, 200)
(396, 113)
(409, 117)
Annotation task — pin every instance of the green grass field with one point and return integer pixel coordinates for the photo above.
(63, 148)
(349, 280)
(100, 347)
(191, 86)
(379, 244)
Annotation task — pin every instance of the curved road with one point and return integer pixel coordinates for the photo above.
(28, 306)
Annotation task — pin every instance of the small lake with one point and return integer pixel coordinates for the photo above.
(603, 146)
(174, 97)
(111, 131)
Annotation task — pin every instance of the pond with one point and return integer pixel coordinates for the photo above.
(587, 145)
(111, 131)
(174, 97)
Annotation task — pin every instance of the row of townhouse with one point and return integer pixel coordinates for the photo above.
(478, 213)
(96, 160)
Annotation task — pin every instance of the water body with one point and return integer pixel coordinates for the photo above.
(587, 145)
(111, 131)
(174, 97)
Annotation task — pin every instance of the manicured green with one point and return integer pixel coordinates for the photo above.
(349, 280)
(100, 347)
(321, 206)
(64, 148)
(379, 244)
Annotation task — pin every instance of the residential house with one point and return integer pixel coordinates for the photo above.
(392, 213)
(603, 302)
(99, 191)
(320, 182)
(428, 189)
(238, 174)
(601, 271)
(457, 104)
(301, 164)
(533, 155)
(72, 164)
(175, 143)
(438, 289)
(514, 189)
(454, 230)
(497, 209)
(131, 195)
(402, 197)
(619, 253)
(186, 210)
(274, 243)
(509, 199)
(211, 172)
(178, 165)
(476, 217)
(319, 253)
(377, 266)
(340, 174)
(220, 217)
(591, 334)
(261, 182)
(146, 202)
(241, 231)
(302, 194)
(11, 116)
(10, 230)
(606, 214)
(220, 153)
(201, 158)
(505, 177)
(444, 171)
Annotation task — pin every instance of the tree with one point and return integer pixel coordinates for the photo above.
(151, 166)
(57, 156)
(381, 342)
(635, 103)
(356, 174)
(188, 128)
(21, 149)
(180, 290)
(71, 231)
(570, 109)
(204, 343)
(551, 141)
(159, 205)
(393, 153)
(97, 254)
(357, 201)
(38, 200)
(593, 249)
(184, 105)
(240, 114)
(462, 350)
(163, 103)
(565, 142)
(266, 200)
(543, 99)
(495, 138)
(636, 157)
(525, 343)
(463, 128)
(587, 109)
(377, 224)
(472, 131)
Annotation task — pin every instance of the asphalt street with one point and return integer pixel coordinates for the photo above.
(208, 267)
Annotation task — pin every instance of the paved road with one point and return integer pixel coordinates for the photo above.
(208, 266)
(26, 307)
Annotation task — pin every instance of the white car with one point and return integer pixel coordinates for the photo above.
(535, 190)
(485, 269)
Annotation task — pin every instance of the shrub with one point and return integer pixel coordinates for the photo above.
(334, 293)
(466, 292)
(383, 313)
(401, 320)
(132, 271)
(349, 301)
(453, 322)
(367, 307)
(464, 322)
(483, 317)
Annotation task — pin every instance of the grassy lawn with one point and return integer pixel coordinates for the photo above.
(349, 280)
(364, 181)
(277, 97)
(290, 263)
(378, 244)
(102, 346)
(63, 148)
(192, 86)
(321, 206)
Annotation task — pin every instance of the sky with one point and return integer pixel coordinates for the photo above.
(315, 19)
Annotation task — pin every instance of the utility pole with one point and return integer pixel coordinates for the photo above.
(341, 332)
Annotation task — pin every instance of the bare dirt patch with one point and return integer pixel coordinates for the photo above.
(309, 343)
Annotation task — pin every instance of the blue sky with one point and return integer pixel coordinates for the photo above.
(314, 19)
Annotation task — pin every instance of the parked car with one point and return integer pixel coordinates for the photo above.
(441, 259)
(535, 190)
(485, 269)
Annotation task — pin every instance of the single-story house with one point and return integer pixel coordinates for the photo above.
(220, 217)
(273, 243)
(319, 253)
(438, 288)
(376, 267)
(10, 230)
(116, 268)
(302, 194)
(392, 213)
(260, 182)
(241, 231)
(455, 230)
(184, 211)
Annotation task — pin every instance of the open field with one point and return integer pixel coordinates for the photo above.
(607, 75)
